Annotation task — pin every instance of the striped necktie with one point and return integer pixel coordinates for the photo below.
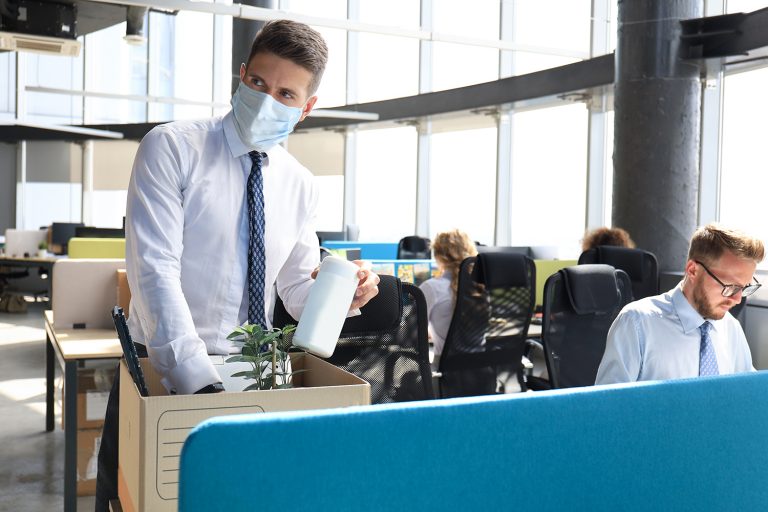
(707, 357)
(256, 253)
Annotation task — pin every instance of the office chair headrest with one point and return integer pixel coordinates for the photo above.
(415, 243)
(497, 269)
(629, 260)
(382, 313)
(591, 288)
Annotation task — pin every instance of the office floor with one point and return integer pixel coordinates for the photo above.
(31, 459)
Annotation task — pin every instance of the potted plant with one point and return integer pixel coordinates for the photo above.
(267, 352)
(42, 248)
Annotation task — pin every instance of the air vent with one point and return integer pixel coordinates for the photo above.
(10, 41)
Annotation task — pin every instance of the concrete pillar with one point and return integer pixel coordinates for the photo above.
(657, 119)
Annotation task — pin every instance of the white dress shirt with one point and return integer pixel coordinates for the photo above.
(187, 238)
(440, 306)
(658, 338)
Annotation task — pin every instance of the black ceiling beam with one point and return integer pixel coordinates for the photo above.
(724, 36)
(12, 133)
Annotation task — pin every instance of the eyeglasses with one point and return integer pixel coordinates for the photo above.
(729, 290)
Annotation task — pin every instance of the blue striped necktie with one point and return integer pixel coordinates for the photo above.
(256, 254)
(707, 357)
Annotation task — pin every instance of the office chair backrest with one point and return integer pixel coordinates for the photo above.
(386, 345)
(414, 248)
(486, 339)
(641, 266)
(580, 304)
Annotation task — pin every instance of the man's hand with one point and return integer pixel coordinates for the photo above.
(367, 288)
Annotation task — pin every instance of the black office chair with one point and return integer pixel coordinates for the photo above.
(580, 304)
(414, 248)
(641, 266)
(486, 339)
(387, 345)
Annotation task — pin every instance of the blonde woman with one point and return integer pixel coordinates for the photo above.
(450, 248)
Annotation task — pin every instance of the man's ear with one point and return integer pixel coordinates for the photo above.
(691, 269)
(308, 107)
(242, 72)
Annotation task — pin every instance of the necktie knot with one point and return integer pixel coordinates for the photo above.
(256, 158)
(705, 328)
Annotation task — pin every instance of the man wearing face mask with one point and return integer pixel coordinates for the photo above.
(218, 214)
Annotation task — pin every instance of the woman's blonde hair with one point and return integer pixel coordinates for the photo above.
(450, 248)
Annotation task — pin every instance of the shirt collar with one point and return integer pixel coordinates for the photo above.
(236, 146)
(690, 319)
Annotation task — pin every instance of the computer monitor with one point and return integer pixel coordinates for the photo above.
(322, 236)
(61, 232)
(92, 232)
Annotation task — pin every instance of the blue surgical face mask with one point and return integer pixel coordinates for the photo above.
(261, 121)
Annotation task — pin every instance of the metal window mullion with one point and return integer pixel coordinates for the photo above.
(350, 177)
(711, 132)
(21, 147)
(423, 177)
(424, 128)
(597, 145)
(503, 228)
(503, 224)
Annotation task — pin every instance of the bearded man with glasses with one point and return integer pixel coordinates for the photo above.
(688, 332)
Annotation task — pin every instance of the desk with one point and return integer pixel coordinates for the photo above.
(34, 262)
(72, 347)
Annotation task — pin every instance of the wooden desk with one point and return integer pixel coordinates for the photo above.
(33, 262)
(71, 347)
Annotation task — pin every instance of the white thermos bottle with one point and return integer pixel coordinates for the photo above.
(327, 306)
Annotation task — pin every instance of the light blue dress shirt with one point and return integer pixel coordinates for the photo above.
(658, 338)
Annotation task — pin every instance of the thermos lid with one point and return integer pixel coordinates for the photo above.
(339, 266)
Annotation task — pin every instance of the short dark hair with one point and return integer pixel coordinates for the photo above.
(709, 242)
(296, 42)
(607, 236)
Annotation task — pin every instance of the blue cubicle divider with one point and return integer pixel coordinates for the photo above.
(697, 444)
(368, 250)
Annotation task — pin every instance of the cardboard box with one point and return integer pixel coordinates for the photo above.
(93, 386)
(153, 429)
(123, 290)
(88, 442)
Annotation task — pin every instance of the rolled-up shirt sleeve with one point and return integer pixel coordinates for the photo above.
(154, 247)
(622, 359)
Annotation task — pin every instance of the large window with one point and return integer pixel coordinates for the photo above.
(386, 183)
(114, 66)
(457, 65)
(463, 183)
(549, 171)
(744, 163)
(53, 71)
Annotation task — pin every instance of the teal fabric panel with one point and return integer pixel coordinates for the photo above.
(692, 445)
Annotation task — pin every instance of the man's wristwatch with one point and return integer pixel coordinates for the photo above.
(217, 387)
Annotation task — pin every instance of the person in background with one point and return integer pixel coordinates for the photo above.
(606, 236)
(688, 331)
(219, 214)
(449, 249)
